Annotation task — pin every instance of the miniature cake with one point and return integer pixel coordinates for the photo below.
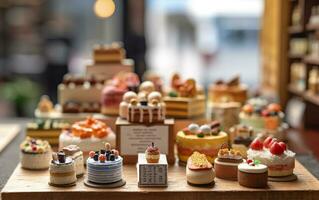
(262, 117)
(184, 99)
(226, 113)
(45, 105)
(73, 94)
(62, 170)
(76, 154)
(90, 134)
(232, 90)
(152, 154)
(109, 60)
(35, 154)
(199, 171)
(226, 164)
(113, 92)
(145, 107)
(241, 137)
(104, 166)
(274, 154)
(46, 129)
(206, 139)
(252, 174)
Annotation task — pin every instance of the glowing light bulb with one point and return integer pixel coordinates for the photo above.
(104, 8)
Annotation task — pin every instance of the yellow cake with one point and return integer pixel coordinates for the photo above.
(206, 139)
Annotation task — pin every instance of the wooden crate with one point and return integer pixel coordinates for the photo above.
(33, 185)
(135, 137)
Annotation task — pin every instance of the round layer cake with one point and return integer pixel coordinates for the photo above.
(35, 154)
(104, 166)
(62, 170)
(90, 134)
(274, 154)
(206, 139)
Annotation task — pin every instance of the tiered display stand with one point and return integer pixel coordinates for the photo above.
(33, 185)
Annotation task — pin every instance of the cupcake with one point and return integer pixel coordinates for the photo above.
(152, 154)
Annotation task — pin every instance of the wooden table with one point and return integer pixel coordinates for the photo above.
(33, 185)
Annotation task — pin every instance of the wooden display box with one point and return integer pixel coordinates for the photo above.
(152, 174)
(180, 107)
(33, 185)
(133, 138)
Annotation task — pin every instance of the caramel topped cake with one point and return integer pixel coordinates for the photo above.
(226, 163)
(184, 99)
(108, 53)
(199, 170)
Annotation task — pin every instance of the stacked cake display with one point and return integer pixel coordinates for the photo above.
(109, 60)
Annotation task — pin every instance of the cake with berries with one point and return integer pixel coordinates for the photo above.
(261, 116)
(184, 99)
(199, 171)
(62, 170)
(226, 163)
(76, 154)
(104, 166)
(252, 174)
(274, 154)
(240, 138)
(35, 154)
(145, 107)
(152, 154)
(206, 139)
(113, 92)
(89, 134)
(231, 91)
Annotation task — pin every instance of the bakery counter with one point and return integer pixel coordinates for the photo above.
(24, 184)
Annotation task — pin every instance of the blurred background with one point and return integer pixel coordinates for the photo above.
(41, 40)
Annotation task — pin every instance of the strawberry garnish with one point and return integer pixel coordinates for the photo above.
(283, 145)
(276, 149)
(256, 144)
(267, 141)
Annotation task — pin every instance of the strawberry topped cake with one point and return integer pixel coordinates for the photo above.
(205, 139)
(274, 154)
(87, 135)
(152, 154)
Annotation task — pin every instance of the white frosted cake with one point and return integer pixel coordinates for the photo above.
(104, 166)
(62, 170)
(77, 155)
(274, 154)
(35, 154)
(90, 134)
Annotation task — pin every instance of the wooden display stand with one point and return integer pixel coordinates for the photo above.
(152, 174)
(132, 139)
(33, 185)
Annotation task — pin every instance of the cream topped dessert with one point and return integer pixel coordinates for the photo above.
(77, 155)
(152, 154)
(199, 170)
(252, 174)
(274, 154)
(35, 154)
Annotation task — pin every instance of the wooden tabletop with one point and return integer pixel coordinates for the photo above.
(33, 185)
